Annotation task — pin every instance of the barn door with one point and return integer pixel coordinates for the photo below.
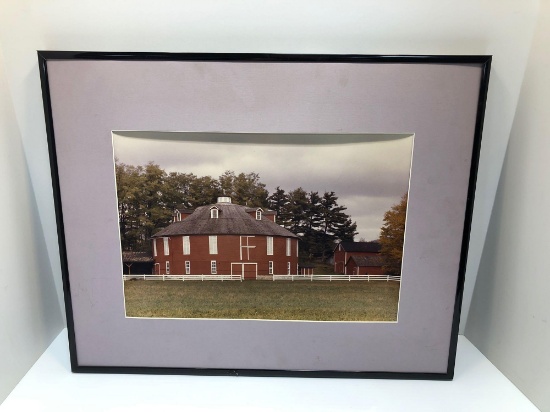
(237, 269)
(249, 270)
(245, 270)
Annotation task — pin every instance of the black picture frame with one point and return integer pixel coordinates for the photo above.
(45, 58)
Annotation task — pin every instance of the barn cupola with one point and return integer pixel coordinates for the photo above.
(224, 199)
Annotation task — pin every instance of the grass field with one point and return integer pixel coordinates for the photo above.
(284, 300)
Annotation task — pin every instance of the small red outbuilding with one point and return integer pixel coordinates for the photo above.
(365, 265)
(345, 250)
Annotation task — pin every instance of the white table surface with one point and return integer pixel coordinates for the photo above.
(50, 386)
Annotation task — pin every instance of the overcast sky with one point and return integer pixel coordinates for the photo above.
(368, 173)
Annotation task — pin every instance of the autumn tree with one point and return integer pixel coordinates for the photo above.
(392, 235)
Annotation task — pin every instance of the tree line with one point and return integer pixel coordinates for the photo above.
(148, 195)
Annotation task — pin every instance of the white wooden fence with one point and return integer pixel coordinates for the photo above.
(331, 278)
(183, 277)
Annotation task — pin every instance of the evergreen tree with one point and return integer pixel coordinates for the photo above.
(311, 225)
(279, 203)
(298, 204)
(345, 231)
(335, 224)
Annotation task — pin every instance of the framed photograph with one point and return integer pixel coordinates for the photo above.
(263, 215)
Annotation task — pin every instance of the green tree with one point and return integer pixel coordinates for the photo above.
(311, 224)
(298, 204)
(226, 182)
(155, 211)
(335, 224)
(141, 204)
(177, 189)
(392, 235)
(244, 189)
(203, 191)
(278, 202)
(319, 221)
(250, 191)
(128, 187)
(345, 230)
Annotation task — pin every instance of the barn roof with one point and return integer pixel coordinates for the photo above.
(367, 260)
(360, 246)
(232, 220)
(136, 257)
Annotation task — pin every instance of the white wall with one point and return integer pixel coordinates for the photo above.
(500, 27)
(510, 315)
(30, 315)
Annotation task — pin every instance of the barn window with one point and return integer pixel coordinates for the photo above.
(213, 244)
(166, 246)
(245, 247)
(177, 216)
(186, 246)
(288, 246)
(270, 245)
(213, 267)
(258, 214)
(167, 267)
(288, 268)
(187, 267)
(214, 212)
(154, 247)
(296, 248)
(270, 267)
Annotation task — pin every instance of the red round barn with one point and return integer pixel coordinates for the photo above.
(225, 238)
